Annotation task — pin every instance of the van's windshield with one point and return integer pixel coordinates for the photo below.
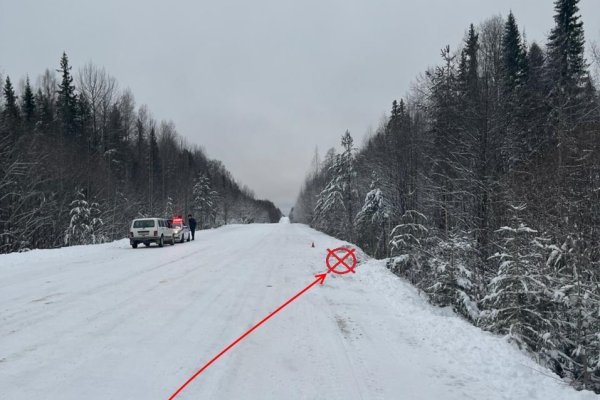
(143, 223)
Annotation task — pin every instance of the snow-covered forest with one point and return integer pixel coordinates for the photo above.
(482, 188)
(79, 160)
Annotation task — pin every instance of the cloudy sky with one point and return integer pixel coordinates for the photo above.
(259, 84)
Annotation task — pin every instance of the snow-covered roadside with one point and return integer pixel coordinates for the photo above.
(460, 355)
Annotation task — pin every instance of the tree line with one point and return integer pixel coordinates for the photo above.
(482, 188)
(78, 161)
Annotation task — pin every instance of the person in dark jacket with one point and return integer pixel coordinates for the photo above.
(192, 224)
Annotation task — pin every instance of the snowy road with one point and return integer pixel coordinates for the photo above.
(109, 322)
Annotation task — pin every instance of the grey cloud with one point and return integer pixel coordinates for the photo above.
(258, 83)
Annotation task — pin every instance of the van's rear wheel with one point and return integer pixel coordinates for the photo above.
(161, 241)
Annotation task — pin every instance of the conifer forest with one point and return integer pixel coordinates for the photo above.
(482, 188)
(79, 161)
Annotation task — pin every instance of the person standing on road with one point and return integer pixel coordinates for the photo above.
(192, 225)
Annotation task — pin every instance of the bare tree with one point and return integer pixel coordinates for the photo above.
(98, 89)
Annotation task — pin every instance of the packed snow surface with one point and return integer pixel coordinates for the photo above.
(109, 322)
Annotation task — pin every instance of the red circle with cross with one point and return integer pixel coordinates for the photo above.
(341, 258)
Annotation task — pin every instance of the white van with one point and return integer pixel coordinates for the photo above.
(151, 230)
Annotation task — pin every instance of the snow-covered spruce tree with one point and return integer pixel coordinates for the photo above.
(336, 204)
(567, 67)
(513, 147)
(575, 350)
(513, 56)
(519, 295)
(448, 153)
(567, 75)
(407, 246)
(372, 220)
(85, 224)
(204, 200)
(453, 279)
(169, 208)
(66, 99)
(11, 115)
(444, 269)
(329, 211)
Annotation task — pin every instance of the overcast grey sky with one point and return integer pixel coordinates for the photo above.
(259, 83)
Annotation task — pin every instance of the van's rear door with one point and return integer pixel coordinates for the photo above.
(143, 228)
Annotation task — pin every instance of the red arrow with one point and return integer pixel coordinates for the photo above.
(320, 279)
